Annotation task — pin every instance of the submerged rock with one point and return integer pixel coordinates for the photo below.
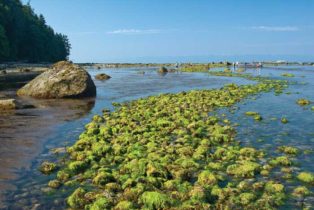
(102, 76)
(63, 80)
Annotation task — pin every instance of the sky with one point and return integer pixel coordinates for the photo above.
(183, 30)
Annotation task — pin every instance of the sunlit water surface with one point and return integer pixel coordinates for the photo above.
(59, 123)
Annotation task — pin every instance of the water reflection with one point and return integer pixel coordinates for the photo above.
(23, 132)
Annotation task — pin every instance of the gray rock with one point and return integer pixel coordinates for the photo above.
(63, 80)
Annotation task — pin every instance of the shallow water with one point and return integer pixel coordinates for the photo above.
(58, 124)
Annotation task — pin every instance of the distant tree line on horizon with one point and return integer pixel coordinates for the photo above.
(25, 36)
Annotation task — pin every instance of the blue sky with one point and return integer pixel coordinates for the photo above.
(183, 30)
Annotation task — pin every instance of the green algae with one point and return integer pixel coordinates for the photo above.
(280, 161)
(288, 150)
(165, 152)
(243, 169)
(76, 199)
(47, 167)
(155, 200)
(306, 177)
(301, 191)
(54, 184)
(303, 102)
(287, 75)
(284, 120)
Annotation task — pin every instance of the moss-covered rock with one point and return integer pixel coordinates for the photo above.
(243, 169)
(301, 191)
(76, 200)
(303, 102)
(306, 177)
(155, 200)
(206, 178)
(47, 167)
(288, 150)
(284, 120)
(54, 184)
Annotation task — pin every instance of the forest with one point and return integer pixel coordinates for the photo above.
(25, 36)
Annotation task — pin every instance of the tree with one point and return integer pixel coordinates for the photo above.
(4, 45)
(25, 36)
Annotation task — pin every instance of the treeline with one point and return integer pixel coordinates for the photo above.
(25, 36)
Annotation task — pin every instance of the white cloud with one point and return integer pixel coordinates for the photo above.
(135, 31)
(276, 28)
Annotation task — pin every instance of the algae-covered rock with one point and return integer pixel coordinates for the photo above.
(281, 160)
(206, 178)
(244, 169)
(63, 80)
(47, 167)
(155, 200)
(63, 176)
(100, 204)
(303, 102)
(306, 177)
(76, 200)
(54, 184)
(77, 166)
(301, 191)
(273, 187)
(284, 120)
(250, 113)
(255, 115)
(246, 198)
(124, 205)
(102, 76)
(288, 150)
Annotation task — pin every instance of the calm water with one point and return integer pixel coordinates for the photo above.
(29, 135)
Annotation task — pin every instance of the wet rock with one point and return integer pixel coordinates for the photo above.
(47, 167)
(11, 104)
(8, 104)
(63, 80)
(163, 70)
(102, 76)
(54, 184)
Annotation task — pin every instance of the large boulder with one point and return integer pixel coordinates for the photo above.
(63, 80)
